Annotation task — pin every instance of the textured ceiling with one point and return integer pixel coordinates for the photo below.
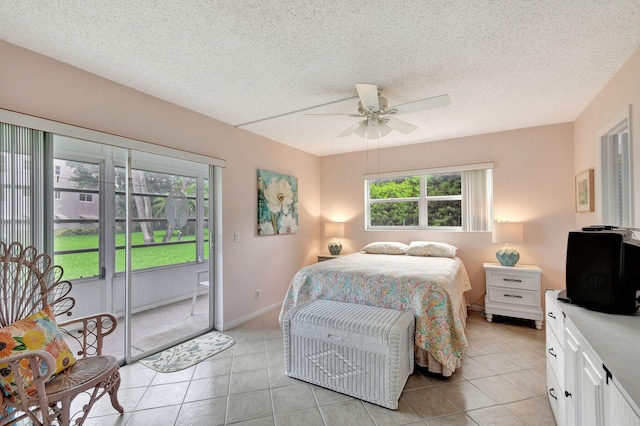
(505, 64)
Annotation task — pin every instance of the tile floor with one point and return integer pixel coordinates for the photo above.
(502, 382)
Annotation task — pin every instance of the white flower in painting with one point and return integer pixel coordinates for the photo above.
(266, 228)
(279, 195)
(287, 225)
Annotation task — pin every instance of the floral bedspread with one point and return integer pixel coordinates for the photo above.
(430, 287)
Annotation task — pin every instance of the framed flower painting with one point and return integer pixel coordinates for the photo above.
(277, 203)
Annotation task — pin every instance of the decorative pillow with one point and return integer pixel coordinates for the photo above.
(385, 248)
(38, 331)
(427, 248)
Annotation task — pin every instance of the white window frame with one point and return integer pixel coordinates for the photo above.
(423, 199)
(614, 177)
(88, 198)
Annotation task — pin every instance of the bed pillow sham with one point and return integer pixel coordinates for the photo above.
(385, 247)
(428, 248)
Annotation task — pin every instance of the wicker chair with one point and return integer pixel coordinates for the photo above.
(29, 283)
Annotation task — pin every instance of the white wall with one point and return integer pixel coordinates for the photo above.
(623, 90)
(37, 85)
(533, 184)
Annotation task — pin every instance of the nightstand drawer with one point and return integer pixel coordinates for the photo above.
(513, 280)
(513, 297)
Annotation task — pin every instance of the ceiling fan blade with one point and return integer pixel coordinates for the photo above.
(421, 105)
(352, 129)
(401, 126)
(368, 96)
(336, 115)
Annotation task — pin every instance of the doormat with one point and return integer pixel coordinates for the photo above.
(189, 353)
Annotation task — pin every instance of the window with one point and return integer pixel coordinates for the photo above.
(157, 197)
(76, 218)
(452, 198)
(86, 198)
(617, 174)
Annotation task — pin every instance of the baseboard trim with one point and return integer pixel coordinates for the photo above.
(237, 322)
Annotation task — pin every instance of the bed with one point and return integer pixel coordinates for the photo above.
(432, 288)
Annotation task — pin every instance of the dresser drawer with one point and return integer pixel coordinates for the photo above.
(514, 297)
(555, 394)
(554, 317)
(513, 280)
(555, 355)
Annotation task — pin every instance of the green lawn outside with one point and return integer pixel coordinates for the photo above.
(80, 265)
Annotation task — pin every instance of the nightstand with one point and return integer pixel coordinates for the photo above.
(513, 291)
(324, 257)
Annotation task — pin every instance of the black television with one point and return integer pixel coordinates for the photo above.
(603, 269)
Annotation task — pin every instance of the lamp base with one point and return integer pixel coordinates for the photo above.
(508, 256)
(335, 247)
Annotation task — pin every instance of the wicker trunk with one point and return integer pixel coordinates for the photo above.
(362, 351)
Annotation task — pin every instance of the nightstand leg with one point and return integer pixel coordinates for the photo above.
(539, 325)
(489, 317)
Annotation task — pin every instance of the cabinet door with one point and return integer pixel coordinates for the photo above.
(571, 372)
(618, 411)
(591, 391)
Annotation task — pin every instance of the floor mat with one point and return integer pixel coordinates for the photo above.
(189, 353)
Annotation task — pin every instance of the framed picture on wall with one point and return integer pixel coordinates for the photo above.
(277, 203)
(584, 191)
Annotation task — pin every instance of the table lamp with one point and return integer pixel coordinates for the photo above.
(334, 230)
(507, 232)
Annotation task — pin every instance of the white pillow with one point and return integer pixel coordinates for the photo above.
(385, 247)
(427, 248)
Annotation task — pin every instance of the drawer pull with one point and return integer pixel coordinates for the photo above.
(552, 353)
(512, 280)
(515, 296)
(567, 394)
(551, 315)
(552, 392)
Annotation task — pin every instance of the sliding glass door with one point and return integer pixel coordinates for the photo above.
(162, 239)
(131, 230)
(131, 224)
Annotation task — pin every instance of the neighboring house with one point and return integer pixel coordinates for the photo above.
(70, 202)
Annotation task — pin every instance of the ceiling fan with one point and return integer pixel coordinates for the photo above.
(379, 119)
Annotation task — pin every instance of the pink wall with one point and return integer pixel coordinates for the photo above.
(37, 85)
(533, 183)
(533, 176)
(623, 90)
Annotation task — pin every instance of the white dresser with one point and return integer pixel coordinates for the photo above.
(513, 291)
(592, 373)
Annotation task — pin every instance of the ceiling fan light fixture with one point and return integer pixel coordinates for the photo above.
(361, 130)
(384, 129)
(373, 107)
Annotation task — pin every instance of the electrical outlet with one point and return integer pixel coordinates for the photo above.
(236, 237)
(258, 294)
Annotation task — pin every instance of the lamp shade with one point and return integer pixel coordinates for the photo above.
(334, 229)
(507, 232)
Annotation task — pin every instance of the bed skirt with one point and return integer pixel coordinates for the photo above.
(425, 360)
